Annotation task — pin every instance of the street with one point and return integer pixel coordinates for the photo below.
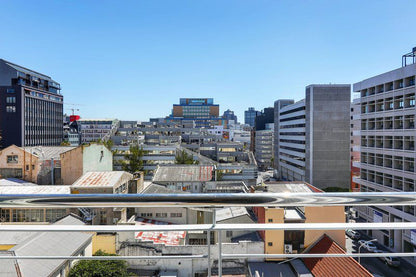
(376, 266)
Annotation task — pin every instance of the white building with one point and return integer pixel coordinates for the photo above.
(388, 149)
(96, 129)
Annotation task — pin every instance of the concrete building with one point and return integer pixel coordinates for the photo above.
(32, 107)
(40, 164)
(250, 116)
(355, 144)
(387, 161)
(266, 116)
(263, 148)
(75, 162)
(313, 137)
(92, 130)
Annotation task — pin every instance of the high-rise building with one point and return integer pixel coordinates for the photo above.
(313, 137)
(387, 162)
(229, 115)
(266, 116)
(250, 116)
(200, 111)
(31, 107)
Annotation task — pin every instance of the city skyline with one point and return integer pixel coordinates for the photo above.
(234, 52)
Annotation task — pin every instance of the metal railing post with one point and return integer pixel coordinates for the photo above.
(209, 252)
(219, 253)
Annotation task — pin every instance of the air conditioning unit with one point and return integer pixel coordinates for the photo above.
(288, 249)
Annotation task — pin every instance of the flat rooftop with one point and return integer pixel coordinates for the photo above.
(184, 173)
(105, 179)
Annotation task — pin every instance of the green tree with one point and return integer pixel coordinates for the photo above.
(134, 159)
(99, 268)
(184, 158)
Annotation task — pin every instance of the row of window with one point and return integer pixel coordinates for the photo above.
(161, 215)
(397, 84)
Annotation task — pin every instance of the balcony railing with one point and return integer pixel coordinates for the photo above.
(211, 200)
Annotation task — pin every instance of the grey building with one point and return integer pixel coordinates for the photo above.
(229, 115)
(388, 149)
(313, 137)
(32, 107)
(264, 148)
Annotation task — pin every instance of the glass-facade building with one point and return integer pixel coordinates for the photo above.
(250, 116)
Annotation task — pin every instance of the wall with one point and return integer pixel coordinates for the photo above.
(97, 157)
(276, 237)
(71, 165)
(104, 242)
(328, 135)
(24, 158)
(325, 215)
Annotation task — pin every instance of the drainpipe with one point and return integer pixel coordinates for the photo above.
(52, 173)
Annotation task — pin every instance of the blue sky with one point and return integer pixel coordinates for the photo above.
(134, 59)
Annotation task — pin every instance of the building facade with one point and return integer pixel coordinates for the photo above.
(93, 130)
(197, 112)
(314, 137)
(229, 115)
(387, 131)
(31, 107)
(250, 116)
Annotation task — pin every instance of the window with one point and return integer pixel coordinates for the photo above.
(33, 167)
(146, 215)
(270, 243)
(11, 99)
(12, 159)
(175, 214)
(11, 109)
(10, 90)
(27, 167)
(161, 215)
(229, 234)
(270, 220)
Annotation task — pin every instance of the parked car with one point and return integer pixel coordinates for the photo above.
(392, 261)
(353, 234)
(369, 245)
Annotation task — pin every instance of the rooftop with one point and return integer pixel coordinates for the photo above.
(183, 173)
(230, 212)
(328, 266)
(287, 187)
(34, 189)
(106, 179)
(48, 152)
(166, 238)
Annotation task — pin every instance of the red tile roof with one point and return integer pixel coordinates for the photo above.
(323, 267)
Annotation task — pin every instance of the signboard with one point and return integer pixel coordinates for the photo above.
(413, 236)
(378, 217)
(74, 118)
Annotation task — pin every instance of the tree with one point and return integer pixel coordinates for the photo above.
(184, 158)
(99, 268)
(134, 159)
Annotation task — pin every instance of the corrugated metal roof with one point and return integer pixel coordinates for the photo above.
(166, 238)
(184, 173)
(102, 179)
(230, 212)
(15, 182)
(48, 152)
(8, 268)
(44, 244)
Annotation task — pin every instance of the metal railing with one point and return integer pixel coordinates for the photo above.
(209, 200)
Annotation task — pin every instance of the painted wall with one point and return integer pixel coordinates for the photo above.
(71, 165)
(274, 239)
(104, 242)
(24, 158)
(325, 215)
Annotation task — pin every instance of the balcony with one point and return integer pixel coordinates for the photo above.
(214, 255)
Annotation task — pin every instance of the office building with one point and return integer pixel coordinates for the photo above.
(313, 137)
(265, 117)
(387, 147)
(197, 113)
(263, 150)
(229, 115)
(250, 116)
(31, 107)
(93, 130)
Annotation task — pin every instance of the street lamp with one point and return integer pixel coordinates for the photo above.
(359, 248)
